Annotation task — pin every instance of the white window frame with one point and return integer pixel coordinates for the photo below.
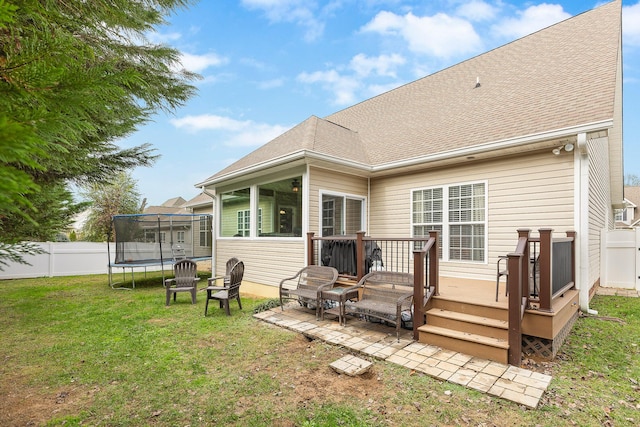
(446, 223)
(345, 196)
(180, 235)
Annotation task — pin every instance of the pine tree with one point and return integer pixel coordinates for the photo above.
(75, 77)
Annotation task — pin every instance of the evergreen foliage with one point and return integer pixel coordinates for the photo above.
(75, 77)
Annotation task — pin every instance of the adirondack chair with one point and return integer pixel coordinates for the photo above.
(185, 280)
(230, 290)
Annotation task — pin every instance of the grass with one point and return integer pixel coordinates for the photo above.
(76, 352)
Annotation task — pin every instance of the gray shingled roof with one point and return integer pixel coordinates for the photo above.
(558, 77)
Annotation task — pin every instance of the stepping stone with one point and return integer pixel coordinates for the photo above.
(351, 365)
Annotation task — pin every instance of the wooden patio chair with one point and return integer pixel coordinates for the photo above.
(307, 285)
(230, 290)
(185, 280)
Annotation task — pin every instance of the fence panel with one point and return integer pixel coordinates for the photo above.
(621, 253)
(62, 259)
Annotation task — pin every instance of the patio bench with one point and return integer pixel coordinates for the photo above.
(383, 295)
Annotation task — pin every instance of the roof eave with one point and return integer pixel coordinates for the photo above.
(498, 145)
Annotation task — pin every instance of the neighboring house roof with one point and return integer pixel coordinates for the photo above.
(201, 199)
(171, 206)
(556, 82)
(174, 202)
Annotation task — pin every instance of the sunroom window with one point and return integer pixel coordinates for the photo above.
(235, 208)
(280, 208)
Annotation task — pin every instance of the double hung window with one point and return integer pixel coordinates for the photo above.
(459, 213)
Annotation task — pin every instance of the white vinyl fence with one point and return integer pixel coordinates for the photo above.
(620, 259)
(62, 259)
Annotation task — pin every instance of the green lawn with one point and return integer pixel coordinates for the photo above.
(76, 352)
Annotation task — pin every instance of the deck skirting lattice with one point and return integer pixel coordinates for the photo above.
(547, 348)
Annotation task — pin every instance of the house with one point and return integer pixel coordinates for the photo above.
(629, 215)
(525, 136)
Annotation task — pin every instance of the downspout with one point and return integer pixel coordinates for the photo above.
(582, 222)
(213, 230)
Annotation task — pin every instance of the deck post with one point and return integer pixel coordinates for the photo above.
(524, 270)
(545, 268)
(514, 264)
(572, 234)
(418, 291)
(434, 263)
(310, 249)
(360, 254)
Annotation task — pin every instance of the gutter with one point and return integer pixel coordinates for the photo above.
(501, 144)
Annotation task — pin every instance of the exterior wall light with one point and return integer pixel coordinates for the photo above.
(568, 147)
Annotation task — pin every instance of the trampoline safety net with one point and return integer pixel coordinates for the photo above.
(149, 238)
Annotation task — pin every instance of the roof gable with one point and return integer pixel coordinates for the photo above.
(559, 77)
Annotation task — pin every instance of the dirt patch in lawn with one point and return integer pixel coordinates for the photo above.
(25, 405)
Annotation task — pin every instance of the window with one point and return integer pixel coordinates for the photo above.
(205, 232)
(233, 205)
(280, 208)
(341, 215)
(163, 237)
(458, 212)
(180, 237)
(621, 215)
(244, 223)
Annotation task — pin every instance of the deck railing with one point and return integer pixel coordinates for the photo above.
(425, 279)
(355, 256)
(552, 269)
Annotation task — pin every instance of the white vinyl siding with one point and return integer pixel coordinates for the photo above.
(531, 191)
(323, 181)
(266, 262)
(600, 211)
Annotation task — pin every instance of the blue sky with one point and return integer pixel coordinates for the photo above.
(267, 65)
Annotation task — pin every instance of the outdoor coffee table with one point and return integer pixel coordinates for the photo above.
(339, 295)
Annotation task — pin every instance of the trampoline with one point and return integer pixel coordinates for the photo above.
(152, 241)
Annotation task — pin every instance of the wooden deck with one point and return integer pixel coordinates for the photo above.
(465, 317)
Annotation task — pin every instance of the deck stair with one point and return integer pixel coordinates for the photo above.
(472, 328)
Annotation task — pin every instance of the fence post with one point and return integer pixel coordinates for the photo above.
(310, 249)
(545, 268)
(360, 254)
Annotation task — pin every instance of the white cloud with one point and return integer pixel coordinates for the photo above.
(383, 65)
(257, 134)
(238, 132)
(271, 84)
(299, 12)
(343, 87)
(163, 38)
(531, 20)
(631, 24)
(477, 10)
(209, 122)
(440, 35)
(199, 63)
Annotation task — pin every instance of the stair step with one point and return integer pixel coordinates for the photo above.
(472, 344)
(490, 310)
(469, 318)
(465, 336)
(463, 322)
